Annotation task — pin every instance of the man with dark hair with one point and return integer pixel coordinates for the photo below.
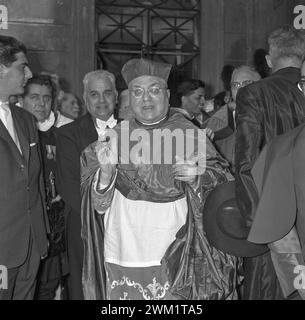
(68, 109)
(190, 97)
(38, 99)
(265, 109)
(23, 220)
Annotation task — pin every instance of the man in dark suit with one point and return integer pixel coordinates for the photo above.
(223, 121)
(23, 221)
(100, 97)
(265, 109)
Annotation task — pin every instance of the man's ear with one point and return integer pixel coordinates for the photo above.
(168, 93)
(85, 98)
(269, 60)
(183, 98)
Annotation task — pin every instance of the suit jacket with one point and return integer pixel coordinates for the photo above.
(222, 123)
(22, 208)
(71, 140)
(186, 115)
(265, 109)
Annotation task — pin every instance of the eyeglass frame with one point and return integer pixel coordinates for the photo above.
(301, 84)
(240, 84)
(148, 91)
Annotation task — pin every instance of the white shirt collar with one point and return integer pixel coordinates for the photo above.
(152, 123)
(4, 105)
(62, 120)
(47, 124)
(101, 126)
(111, 123)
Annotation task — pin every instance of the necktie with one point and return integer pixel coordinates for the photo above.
(7, 120)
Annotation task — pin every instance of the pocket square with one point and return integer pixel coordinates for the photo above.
(33, 144)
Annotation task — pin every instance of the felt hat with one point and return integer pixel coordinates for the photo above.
(224, 225)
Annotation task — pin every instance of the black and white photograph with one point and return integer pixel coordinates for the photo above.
(152, 150)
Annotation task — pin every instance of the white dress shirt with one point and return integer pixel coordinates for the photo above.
(102, 125)
(47, 123)
(7, 120)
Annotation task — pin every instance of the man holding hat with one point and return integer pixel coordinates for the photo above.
(264, 110)
(148, 234)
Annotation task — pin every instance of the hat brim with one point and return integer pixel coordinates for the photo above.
(216, 236)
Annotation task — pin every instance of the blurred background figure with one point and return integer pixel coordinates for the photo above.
(189, 100)
(68, 109)
(207, 110)
(222, 123)
(124, 110)
(13, 100)
(224, 97)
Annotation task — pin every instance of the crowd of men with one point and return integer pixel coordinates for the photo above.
(93, 207)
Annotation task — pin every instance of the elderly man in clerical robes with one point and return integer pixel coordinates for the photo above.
(142, 205)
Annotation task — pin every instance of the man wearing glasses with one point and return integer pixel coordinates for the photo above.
(301, 83)
(129, 227)
(223, 121)
(264, 110)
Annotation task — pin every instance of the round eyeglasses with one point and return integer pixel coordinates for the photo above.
(152, 91)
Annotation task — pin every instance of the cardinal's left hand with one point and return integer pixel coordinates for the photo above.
(186, 171)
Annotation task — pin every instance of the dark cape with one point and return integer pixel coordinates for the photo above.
(92, 233)
(195, 270)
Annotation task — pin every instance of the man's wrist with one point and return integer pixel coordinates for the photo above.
(104, 179)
